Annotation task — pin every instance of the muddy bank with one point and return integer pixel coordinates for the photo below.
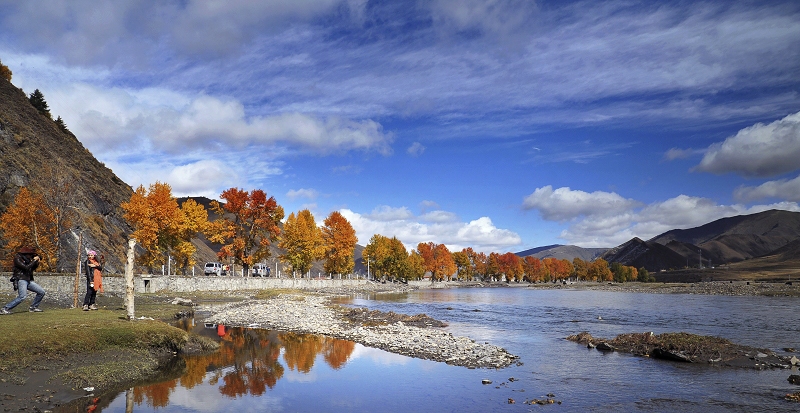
(414, 336)
(688, 348)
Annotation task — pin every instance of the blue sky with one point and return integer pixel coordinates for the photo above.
(496, 124)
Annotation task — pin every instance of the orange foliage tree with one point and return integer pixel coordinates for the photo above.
(247, 224)
(163, 228)
(534, 270)
(438, 260)
(339, 241)
(28, 222)
(302, 240)
(511, 266)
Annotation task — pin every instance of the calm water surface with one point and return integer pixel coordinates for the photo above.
(267, 371)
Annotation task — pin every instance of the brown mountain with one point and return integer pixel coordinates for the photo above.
(737, 238)
(561, 252)
(724, 241)
(29, 141)
(650, 255)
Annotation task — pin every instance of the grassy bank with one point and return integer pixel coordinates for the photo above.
(49, 357)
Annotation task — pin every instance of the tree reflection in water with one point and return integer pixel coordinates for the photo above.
(254, 356)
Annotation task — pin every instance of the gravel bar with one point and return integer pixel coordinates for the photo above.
(315, 315)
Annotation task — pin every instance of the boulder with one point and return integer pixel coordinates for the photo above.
(603, 346)
(660, 353)
(794, 379)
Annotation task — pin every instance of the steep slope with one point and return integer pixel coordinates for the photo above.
(736, 238)
(650, 255)
(29, 141)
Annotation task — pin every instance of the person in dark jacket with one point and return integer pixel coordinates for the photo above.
(25, 262)
(94, 281)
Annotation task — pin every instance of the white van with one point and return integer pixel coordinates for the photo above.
(213, 268)
(259, 270)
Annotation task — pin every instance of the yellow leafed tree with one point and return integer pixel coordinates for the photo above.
(302, 240)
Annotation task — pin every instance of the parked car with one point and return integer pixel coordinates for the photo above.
(259, 270)
(214, 268)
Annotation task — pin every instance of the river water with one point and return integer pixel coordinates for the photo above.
(268, 371)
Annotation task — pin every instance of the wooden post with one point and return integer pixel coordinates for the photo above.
(129, 287)
(77, 271)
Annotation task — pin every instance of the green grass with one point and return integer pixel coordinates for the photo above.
(98, 348)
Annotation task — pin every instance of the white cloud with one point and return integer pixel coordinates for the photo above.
(307, 193)
(611, 226)
(758, 150)
(564, 204)
(441, 227)
(416, 149)
(786, 189)
(385, 213)
(677, 153)
(199, 177)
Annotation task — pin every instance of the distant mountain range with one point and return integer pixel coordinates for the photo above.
(771, 233)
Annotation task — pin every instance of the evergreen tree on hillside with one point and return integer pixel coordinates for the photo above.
(5, 72)
(37, 100)
(63, 126)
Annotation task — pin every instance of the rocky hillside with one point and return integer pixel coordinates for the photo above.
(28, 142)
(721, 242)
(650, 255)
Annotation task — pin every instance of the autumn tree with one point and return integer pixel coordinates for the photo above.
(387, 257)
(339, 242)
(416, 266)
(478, 260)
(247, 225)
(623, 273)
(302, 240)
(534, 270)
(163, 228)
(192, 221)
(511, 266)
(598, 271)
(492, 269)
(5, 72)
(28, 222)
(37, 101)
(580, 267)
(438, 260)
(464, 267)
